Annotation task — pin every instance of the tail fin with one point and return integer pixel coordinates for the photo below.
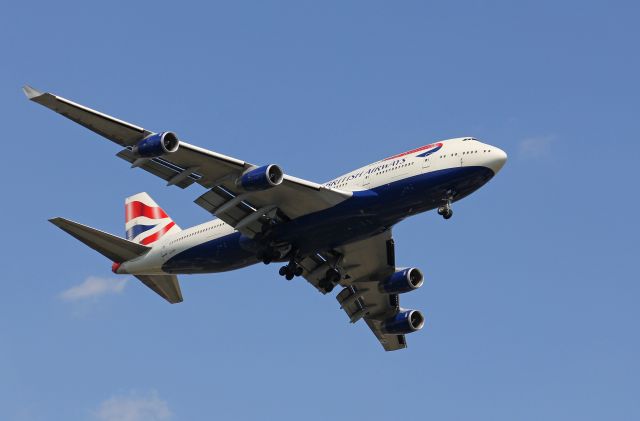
(145, 221)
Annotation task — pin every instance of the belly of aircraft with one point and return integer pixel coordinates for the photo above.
(372, 211)
(365, 214)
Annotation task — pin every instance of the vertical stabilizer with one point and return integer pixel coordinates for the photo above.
(145, 221)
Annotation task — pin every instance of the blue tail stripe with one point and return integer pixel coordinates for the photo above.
(136, 230)
(429, 152)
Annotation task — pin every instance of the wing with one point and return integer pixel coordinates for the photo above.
(365, 264)
(247, 211)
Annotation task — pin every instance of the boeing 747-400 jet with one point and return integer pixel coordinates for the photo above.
(336, 234)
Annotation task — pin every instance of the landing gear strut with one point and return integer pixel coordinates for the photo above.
(446, 211)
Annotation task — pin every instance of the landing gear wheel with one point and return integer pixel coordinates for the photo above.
(291, 270)
(446, 211)
(333, 276)
(326, 285)
(266, 256)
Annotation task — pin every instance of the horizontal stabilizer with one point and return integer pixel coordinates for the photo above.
(166, 286)
(112, 247)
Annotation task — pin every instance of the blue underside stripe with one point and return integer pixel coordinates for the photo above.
(424, 191)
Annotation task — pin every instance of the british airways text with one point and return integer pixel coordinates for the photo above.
(372, 170)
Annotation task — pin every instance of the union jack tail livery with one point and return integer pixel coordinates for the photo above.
(145, 221)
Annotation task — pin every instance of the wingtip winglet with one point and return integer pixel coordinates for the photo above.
(31, 92)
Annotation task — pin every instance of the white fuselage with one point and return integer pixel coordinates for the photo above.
(447, 154)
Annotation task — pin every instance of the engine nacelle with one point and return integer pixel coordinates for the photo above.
(261, 178)
(404, 322)
(405, 280)
(157, 145)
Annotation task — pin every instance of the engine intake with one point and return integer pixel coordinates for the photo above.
(261, 178)
(156, 145)
(402, 281)
(404, 322)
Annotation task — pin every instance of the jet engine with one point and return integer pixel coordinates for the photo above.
(404, 322)
(405, 280)
(157, 145)
(261, 178)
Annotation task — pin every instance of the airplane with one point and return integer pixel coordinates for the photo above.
(334, 234)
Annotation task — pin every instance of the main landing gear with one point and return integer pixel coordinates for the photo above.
(327, 283)
(291, 270)
(331, 278)
(446, 211)
(273, 254)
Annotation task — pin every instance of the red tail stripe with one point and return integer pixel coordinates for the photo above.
(135, 209)
(157, 235)
(421, 148)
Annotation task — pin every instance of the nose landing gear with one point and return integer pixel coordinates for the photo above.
(446, 211)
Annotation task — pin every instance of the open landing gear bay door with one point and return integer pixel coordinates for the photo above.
(247, 211)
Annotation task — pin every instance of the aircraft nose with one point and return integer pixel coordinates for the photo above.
(497, 159)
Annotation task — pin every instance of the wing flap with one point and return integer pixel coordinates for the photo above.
(368, 259)
(316, 266)
(365, 263)
(388, 342)
(290, 200)
(228, 207)
(362, 300)
(163, 169)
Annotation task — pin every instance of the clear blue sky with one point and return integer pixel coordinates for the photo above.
(531, 290)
